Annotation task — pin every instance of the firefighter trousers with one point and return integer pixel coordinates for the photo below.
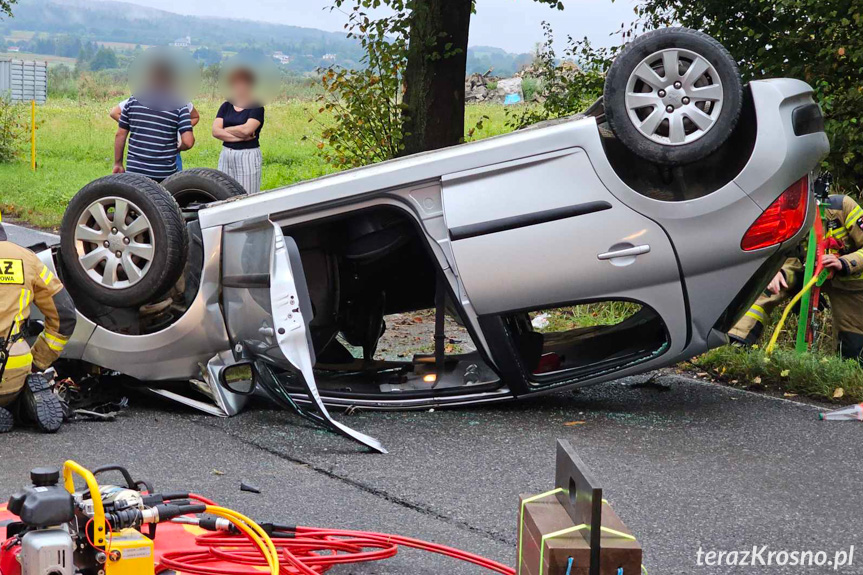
(847, 307)
(847, 311)
(750, 327)
(18, 367)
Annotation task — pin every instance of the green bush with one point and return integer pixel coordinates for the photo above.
(62, 82)
(529, 87)
(101, 86)
(13, 129)
(564, 85)
(362, 107)
(299, 88)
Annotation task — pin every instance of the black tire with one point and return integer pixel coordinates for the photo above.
(167, 235)
(645, 48)
(202, 186)
(7, 422)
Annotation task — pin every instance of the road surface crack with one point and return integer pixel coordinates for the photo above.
(369, 489)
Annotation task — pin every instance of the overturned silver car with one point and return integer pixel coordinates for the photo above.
(680, 193)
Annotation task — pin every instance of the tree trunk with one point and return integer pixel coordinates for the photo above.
(436, 66)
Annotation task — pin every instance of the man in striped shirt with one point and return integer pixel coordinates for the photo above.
(152, 136)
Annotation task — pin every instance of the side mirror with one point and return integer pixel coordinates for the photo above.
(238, 378)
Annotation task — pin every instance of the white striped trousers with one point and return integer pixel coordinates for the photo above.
(244, 166)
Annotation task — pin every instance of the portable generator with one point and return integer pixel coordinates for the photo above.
(96, 531)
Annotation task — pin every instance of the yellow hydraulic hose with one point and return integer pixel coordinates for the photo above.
(253, 531)
(809, 285)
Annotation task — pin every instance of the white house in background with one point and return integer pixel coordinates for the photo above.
(13, 49)
(329, 57)
(281, 57)
(184, 42)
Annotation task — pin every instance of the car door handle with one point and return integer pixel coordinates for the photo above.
(625, 253)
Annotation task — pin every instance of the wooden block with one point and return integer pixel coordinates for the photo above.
(548, 516)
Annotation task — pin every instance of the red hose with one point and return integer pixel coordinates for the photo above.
(312, 551)
(203, 499)
(300, 555)
(412, 543)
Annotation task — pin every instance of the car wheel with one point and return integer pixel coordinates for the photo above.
(202, 186)
(123, 240)
(673, 96)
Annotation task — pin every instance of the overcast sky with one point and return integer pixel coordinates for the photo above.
(513, 25)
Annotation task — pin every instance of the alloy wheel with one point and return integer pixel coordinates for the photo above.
(674, 96)
(115, 242)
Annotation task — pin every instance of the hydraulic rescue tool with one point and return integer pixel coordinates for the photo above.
(814, 275)
(112, 530)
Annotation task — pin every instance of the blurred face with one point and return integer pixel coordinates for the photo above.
(161, 79)
(240, 84)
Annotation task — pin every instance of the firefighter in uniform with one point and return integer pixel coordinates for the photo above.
(844, 222)
(25, 280)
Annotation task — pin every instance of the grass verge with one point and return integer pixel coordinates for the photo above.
(819, 374)
(75, 146)
(823, 377)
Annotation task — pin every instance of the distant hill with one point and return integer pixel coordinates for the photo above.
(124, 23)
(481, 59)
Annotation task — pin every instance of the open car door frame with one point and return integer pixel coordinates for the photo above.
(285, 343)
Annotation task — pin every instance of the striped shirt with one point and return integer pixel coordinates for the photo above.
(152, 149)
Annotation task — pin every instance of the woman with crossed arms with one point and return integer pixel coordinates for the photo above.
(238, 125)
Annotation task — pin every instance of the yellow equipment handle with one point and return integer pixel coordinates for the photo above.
(69, 468)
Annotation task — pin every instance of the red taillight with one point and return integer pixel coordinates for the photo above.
(781, 220)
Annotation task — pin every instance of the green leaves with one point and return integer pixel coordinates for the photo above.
(366, 118)
(361, 112)
(14, 125)
(562, 85)
(6, 7)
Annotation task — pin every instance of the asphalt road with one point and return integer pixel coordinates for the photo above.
(27, 237)
(686, 465)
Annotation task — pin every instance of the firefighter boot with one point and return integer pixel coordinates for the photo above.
(6, 420)
(41, 405)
